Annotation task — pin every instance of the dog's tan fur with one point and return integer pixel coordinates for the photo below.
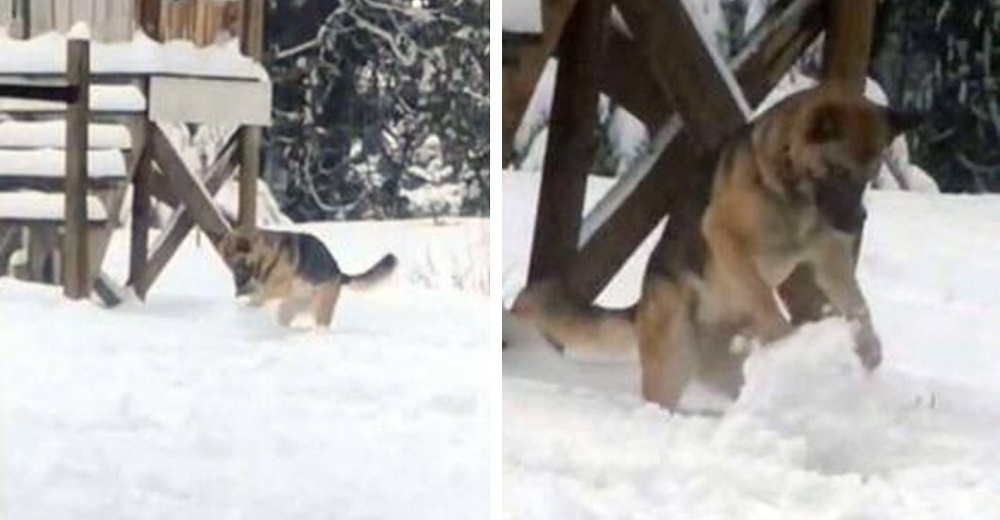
(786, 193)
(295, 268)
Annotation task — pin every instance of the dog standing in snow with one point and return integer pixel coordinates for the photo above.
(295, 268)
(787, 191)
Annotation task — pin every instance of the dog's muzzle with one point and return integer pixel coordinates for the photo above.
(841, 206)
(243, 277)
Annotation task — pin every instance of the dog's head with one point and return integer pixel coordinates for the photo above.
(239, 249)
(841, 149)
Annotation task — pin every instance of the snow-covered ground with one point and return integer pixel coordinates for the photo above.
(195, 406)
(811, 436)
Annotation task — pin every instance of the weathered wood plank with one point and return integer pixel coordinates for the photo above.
(148, 14)
(186, 186)
(848, 44)
(182, 222)
(625, 77)
(691, 73)
(76, 260)
(569, 153)
(520, 77)
(250, 140)
(141, 206)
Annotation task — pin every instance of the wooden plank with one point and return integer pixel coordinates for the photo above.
(141, 207)
(148, 14)
(64, 93)
(848, 44)
(631, 210)
(625, 78)
(186, 186)
(691, 73)
(76, 283)
(250, 139)
(520, 77)
(252, 29)
(569, 153)
(182, 222)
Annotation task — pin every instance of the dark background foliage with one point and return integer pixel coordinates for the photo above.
(375, 100)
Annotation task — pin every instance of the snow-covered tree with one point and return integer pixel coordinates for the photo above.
(361, 87)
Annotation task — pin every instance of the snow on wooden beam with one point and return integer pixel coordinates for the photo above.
(848, 44)
(32, 208)
(569, 153)
(216, 102)
(52, 134)
(521, 75)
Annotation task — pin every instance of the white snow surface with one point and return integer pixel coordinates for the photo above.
(522, 16)
(52, 163)
(35, 205)
(46, 54)
(52, 134)
(195, 406)
(811, 436)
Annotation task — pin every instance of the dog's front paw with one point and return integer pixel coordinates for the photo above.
(869, 348)
(769, 331)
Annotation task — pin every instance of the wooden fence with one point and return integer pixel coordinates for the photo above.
(201, 21)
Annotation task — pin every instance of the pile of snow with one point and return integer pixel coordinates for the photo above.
(812, 435)
(46, 54)
(194, 406)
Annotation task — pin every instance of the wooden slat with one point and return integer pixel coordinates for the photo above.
(250, 139)
(848, 44)
(520, 77)
(186, 186)
(141, 207)
(182, 222)
(570, 148)
(65, 94)
(625, 78)
(631, 210)
(692, 75)
(76, 260)
(148, 13)
(252, 29)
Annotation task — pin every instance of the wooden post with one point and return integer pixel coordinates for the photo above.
(141, 204)
(252, 45)
(75, 255)
(569, 153)
(849, 33)
(148, 15)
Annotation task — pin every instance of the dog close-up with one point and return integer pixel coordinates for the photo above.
(296, 268)
(786, 193)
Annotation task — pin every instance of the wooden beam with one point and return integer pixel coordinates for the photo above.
(520, 77)
(186, 186)
(252, 29)
(182, 221)
(76, 261)
(148, 15)
(631, 210)
(250, 140)
(624, 76)
(141, 205)
(848, 44)
(63, 93)
(691, 73)
(569, 153)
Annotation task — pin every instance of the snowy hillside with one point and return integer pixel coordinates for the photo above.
(811, 436)
(195, 406)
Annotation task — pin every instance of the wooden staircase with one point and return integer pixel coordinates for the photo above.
(45, 123)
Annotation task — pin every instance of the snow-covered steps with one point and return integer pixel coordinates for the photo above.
(114, 99)
(45, 169)
(52, 134)
(33, 208)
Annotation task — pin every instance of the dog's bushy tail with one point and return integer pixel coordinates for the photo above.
(580, 330)
(375, 275)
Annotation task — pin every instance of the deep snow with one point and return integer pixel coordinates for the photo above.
(194, 406)
(811, 436)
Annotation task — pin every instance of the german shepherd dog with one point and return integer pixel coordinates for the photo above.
(296, 268)
(786, 192)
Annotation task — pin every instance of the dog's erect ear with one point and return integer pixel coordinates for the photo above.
(901, 121)
(825, 123)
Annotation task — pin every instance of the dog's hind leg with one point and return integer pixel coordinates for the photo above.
(665, 334)
(291, 307)
(324, 301)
